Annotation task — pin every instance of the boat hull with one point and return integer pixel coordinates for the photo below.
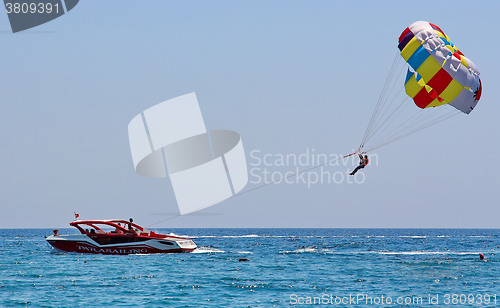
(83, 244)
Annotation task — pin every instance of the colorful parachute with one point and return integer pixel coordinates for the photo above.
(440, 73)
(435, 73)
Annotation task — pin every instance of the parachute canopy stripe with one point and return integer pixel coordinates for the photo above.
(423, 98)
(442, 73)
(410, 48)
(451, 91)
(403, 35)
(429, 68)
(445, 41)
(478, 93)
(436, 28)
(440, 81)
(405, 40)
(418, 57)
(412, 87)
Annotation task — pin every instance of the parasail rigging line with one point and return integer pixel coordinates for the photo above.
(437, 74)
(271, 182)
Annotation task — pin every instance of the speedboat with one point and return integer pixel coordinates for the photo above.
(117, 237)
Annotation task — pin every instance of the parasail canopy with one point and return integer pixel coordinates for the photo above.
(439, 73)
(433, 73)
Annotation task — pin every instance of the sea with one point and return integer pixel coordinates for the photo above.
(262, 268)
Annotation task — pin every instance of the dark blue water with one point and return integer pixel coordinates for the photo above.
(332, 267)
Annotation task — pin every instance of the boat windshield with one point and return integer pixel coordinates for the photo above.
(109, 227)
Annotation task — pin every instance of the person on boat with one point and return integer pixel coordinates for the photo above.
(363, 161)
(130, 227)
(118, 230)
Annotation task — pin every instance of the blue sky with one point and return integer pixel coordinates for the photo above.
(288, 76)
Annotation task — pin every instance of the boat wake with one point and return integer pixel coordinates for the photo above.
(206, 250)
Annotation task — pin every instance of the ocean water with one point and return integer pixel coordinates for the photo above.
(285, 267)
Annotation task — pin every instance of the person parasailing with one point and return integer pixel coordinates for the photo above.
(363, 161)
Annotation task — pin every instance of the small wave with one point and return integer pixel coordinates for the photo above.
(300, 236)
(414, 236)
(300, 250)
(408, 253)
(245, 252)
(411, 253)
(206, 250)
(224, 236)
